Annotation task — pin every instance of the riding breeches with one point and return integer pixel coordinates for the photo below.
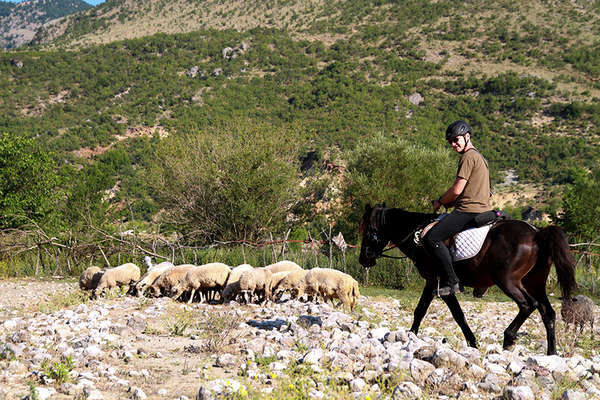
(453, 223)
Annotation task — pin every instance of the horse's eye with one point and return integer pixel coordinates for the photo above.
(375, 237)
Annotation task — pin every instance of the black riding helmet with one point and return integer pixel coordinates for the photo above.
(457, 128)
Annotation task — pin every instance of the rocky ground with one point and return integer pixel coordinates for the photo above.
(56, 344)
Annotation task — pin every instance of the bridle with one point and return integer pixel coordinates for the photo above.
(381, 254)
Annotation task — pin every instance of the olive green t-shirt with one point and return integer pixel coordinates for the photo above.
(475, 197)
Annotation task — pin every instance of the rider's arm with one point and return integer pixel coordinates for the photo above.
(451, 194)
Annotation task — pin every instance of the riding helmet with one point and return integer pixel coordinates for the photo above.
(457, 128)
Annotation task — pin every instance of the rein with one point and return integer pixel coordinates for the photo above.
(381, 255)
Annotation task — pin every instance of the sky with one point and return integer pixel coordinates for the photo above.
(92, 2)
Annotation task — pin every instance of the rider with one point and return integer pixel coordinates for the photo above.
(469, 195)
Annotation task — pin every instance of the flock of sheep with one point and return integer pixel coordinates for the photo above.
(242, 283)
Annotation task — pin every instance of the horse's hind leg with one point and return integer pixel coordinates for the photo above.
(421, 310)
(535, 284)
(549, 318)
(459, 317)
(526, 305)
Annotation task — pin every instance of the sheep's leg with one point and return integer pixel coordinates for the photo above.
(192, 296)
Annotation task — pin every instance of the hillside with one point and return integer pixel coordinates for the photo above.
(105, 87)
(20, 21)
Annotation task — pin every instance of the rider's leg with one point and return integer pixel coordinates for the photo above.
(434, 242)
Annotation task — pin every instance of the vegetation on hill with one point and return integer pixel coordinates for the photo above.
(298, 122)
(20, 21)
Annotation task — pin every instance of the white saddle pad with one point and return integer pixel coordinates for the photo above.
(468, 243)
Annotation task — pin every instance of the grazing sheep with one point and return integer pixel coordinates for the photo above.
(90, 278)
(122, 275)
(578, 310)
(330, 284)
(289, 282)
(171, 277)
(232, 288)
(149, 265)
(277, 277)
(206, 277)
(257, 281)
(154, 271)
(284, 265)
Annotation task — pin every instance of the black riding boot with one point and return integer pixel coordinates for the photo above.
(450, 282)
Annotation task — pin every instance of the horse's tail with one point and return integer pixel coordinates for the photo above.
(553, 243)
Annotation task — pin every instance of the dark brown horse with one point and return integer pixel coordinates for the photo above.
(515, 256)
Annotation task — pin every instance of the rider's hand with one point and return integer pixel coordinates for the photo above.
(436, 204)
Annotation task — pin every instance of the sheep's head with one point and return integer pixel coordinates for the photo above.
(298, 291)
(154, 291)
(175, 289)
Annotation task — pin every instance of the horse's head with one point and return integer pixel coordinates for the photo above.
(373, 236)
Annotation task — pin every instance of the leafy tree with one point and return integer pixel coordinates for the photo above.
(28, 182)
(230, 182)
(581, 204)
(400, 173)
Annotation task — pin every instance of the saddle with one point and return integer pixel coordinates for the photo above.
(466, 244)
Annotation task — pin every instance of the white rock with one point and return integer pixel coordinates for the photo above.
(407, 390)
(357, 385)
(518, 393)
(138, 394)
(573, 395)
(419, 370)
(44, 393)
(552, 363)
(516, 366)
(277, 366)
(314, 356)
(378, 333)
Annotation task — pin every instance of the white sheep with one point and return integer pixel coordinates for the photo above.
(284, 265)
(90, 278)
(122, 275)
(171, 277)
(330, 284)
(149, 265)
(289, 282)
(207, 277)
(153, 272)
(276, 278)
(232, 288)
(257, 281)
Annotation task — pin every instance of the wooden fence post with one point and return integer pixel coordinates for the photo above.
(285, 238)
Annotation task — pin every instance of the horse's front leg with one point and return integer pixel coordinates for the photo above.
(422, 307)
(459, 317)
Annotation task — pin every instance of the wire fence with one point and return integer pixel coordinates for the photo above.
(32, 252)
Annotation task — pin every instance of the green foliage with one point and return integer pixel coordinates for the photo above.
(210, 179)
(231, 182)
(396, 172)
(28, 182)
(581, 205)
(59, 370)
(181, 322)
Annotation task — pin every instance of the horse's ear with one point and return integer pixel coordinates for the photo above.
(383, 204)
(367, 207)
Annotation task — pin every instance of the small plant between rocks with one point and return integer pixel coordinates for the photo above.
(59, 371)
(183, 319)
(219, 330)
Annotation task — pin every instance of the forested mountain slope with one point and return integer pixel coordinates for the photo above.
(328, 76)
(20, 21)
